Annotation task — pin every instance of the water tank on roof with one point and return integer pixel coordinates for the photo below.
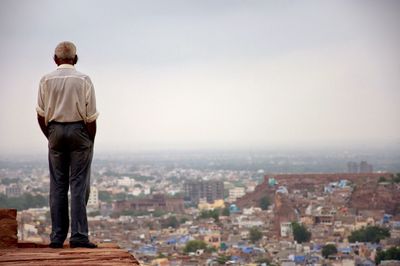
(272, 182)
(282, 189)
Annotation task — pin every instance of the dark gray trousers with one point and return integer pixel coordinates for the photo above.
(70, 157)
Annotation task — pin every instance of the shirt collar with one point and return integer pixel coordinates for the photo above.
(66, 66)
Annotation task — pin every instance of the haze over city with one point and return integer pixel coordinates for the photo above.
(210, 74)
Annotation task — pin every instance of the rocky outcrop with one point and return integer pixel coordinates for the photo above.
(306, 182)
(284, 211)
(8, 228)
(375, 196)
(252, 199)
(299, 181)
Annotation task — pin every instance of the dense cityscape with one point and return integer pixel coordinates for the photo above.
(236, 208)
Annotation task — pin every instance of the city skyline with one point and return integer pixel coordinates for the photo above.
(228, 74)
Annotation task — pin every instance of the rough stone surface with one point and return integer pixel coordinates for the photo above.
(386, 197)
(283, 212)
(380, 197)
(106, 254)
(8, 228)
(8, 214)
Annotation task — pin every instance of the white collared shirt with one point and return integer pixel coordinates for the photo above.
(66, 95)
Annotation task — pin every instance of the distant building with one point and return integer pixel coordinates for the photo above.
(209, 190)
(352, 167)
(362, 168)
(213, 239)
(13, 190)
(203, 205)
(2, 189)
(126, 182)
(93, 201)
(272, 181)
(286, 229)
(157, 202)
(324, 219)
(365, 167)
(235, 193)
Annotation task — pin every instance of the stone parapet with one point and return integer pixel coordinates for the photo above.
(8, 228)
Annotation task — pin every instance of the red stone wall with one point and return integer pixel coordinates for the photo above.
(8, 228)
(292, 180)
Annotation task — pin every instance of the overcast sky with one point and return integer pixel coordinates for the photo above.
(206, 74)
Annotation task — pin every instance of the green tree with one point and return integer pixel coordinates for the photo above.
(255, 234)
(193, 245)
(171, 221)
(328, 250)
(372, 234)
(300, 233)
(183, 220)
(23, 202)
(210, 214)
(211, 249)
(223, 259)
(143, 178)
(396, 179)
(104, 196)
(392, 253)
(225, 211)
(119, 196)
(8, 181)
(264, 203)
(161, 255)
(92, 214)
(158, 213)
(263, 260)
(382, 179)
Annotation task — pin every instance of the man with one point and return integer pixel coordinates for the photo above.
(67, 117)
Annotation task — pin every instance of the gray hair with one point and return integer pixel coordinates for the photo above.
(65, 50)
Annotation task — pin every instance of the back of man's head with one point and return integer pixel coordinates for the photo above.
(65, 50)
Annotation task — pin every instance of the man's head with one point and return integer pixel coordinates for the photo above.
(65, 53)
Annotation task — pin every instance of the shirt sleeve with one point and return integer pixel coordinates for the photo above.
(91, 111)
(40, 101)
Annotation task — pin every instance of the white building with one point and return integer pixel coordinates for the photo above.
(286, 229)
(93, 201)
(126, 182)
(13, 190)
(2, 189)
(235, 193)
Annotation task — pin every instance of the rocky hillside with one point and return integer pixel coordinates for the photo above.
(375, 196)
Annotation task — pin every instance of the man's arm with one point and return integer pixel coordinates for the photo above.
(91, 128)
(43, 126)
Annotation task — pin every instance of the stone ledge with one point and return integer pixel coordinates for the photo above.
(27, 253)
(106, 254)
(8, 228)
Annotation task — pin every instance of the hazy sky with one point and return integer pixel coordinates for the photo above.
(198, 74)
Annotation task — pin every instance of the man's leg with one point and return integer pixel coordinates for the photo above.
(88, 177)
(59, 183)
(81, 158)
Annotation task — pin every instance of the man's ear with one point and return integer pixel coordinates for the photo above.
(75, 59)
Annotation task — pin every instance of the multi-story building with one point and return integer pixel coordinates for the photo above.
(13, 190)
(362, 167)
(235, 193)
(352, 167)
(209, 190)
(365, 167)
(93, 201)
(156, 202)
